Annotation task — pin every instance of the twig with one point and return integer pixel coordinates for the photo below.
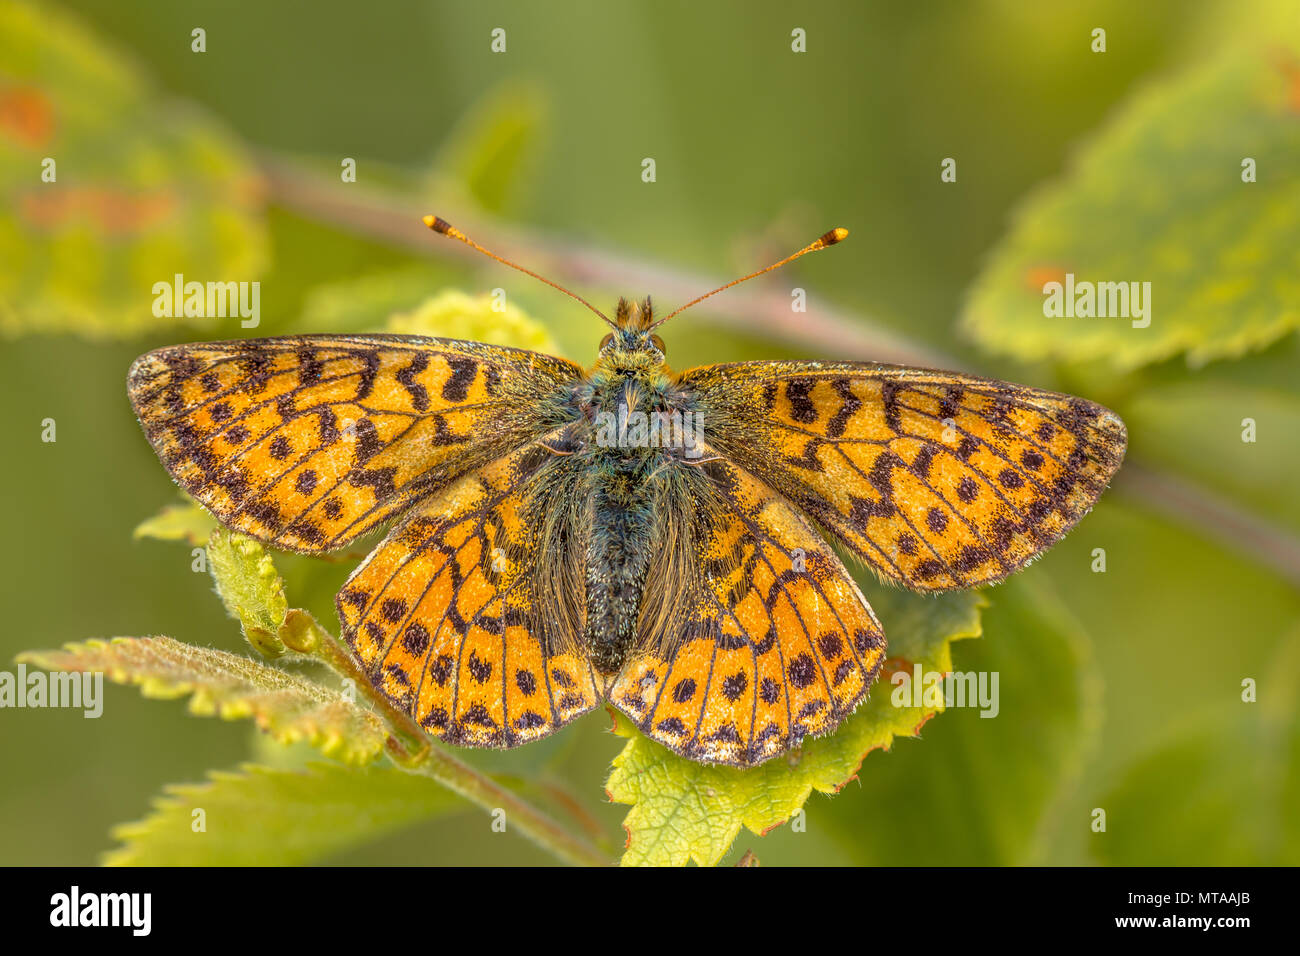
(439, 765)
(396, 220)
(1176, 498)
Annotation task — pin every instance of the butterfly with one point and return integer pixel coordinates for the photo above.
(658, 540)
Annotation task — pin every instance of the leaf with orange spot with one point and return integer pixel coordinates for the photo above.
(1157, 196)
(142, 189)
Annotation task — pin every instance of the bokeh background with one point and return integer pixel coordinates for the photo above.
(538, 151)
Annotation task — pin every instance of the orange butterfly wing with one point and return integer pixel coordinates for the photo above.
(309, 442)
(937, 480)
(783, 646)
(440, 615)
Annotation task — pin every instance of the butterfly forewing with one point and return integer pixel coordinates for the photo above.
(935, 479)
(310, 442)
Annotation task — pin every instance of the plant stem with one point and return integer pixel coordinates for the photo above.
(1220, 520)
(413, 751)
(439, 765)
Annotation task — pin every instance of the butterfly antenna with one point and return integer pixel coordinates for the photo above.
(440, 225)
(829, 239)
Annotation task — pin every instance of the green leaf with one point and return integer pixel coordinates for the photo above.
(491, 151)
(455, 315)
(184, 522)
(684, 811)
(144, 189)
(250, 587)
(264, 816)
(1221, 793)
(1157, 196)
(398, 301)
(987, 790)
(365, 304)
(287, 706)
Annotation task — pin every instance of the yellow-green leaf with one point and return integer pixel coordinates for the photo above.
(684, 811)
(263, 816)
(365, 304)
(250, 587)
(455, 315)
(1158, 197)
(142, 190)
(183, 522)
(399, 301)
(287, 706)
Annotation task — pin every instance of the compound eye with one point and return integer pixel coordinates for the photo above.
(658, 343)
(606, 340)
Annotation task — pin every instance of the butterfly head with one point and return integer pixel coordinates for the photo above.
(632, 324)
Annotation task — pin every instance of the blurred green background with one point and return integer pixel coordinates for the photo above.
(537, 151)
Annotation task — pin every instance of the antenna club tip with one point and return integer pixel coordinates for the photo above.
(438, 224)
(838, 234)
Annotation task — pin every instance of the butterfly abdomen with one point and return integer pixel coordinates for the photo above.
(618, 555)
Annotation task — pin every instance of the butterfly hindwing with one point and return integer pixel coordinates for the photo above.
(441, 616)
(783, 646)
(937, 480)
(309, 442)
